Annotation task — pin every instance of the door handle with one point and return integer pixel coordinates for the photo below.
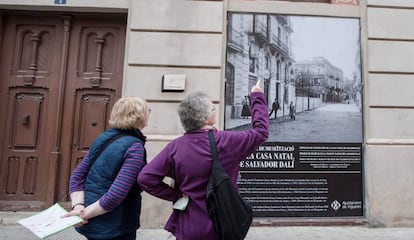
(26, 119)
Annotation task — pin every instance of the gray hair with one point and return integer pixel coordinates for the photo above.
(194, 110)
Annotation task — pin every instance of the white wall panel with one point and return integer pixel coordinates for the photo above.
(177, 49)
(389, 133)
(164, 119)
(391, 90)
(153, 147)
(301, 8)
(391, 124)
(391, 3)
(74, 5)
(389, 179)
(154, 211)
(146, 81)
(391, 56)
(390, 23)
(177, 15)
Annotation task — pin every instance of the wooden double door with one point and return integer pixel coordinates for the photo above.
(60, 74)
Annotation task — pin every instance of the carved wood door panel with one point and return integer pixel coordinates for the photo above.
(59, 77)
(29, 73)
(95, 68)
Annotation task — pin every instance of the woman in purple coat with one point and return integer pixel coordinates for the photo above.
(188, 161)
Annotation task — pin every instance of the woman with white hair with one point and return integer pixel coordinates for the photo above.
(188, 161)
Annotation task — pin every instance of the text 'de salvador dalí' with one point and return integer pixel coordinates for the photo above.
(303, 180)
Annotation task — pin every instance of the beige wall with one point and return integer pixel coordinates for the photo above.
(390, 112)
(172, 37)
(387, 47)
(188, 37)
(71, 5)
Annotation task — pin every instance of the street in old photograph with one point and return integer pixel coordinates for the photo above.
(334, 122)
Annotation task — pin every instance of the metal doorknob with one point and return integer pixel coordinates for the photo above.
(26, 119)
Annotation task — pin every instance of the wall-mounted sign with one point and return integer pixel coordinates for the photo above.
(303, 180)
(347, 2)
(173, 83)
(311, 164)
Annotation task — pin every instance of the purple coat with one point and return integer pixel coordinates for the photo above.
(188, 160)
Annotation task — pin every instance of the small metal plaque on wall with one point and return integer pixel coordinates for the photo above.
(347, 2)
(173, 83)
(60, 1)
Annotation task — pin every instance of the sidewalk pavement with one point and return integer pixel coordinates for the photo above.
(238, 122)
(11, 230)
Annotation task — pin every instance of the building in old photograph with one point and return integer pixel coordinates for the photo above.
(64, 63)
(258, 48)
(317, 81)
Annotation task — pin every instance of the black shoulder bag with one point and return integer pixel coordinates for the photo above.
(230, 213)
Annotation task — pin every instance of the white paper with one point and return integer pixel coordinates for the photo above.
(181, 204)
(49, 221)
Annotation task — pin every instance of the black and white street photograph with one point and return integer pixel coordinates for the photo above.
(311, 73)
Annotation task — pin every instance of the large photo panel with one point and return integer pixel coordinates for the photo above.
(311, 165)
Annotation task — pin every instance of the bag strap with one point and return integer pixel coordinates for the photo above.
(107, 143)
(216, 164)
(213, 147)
